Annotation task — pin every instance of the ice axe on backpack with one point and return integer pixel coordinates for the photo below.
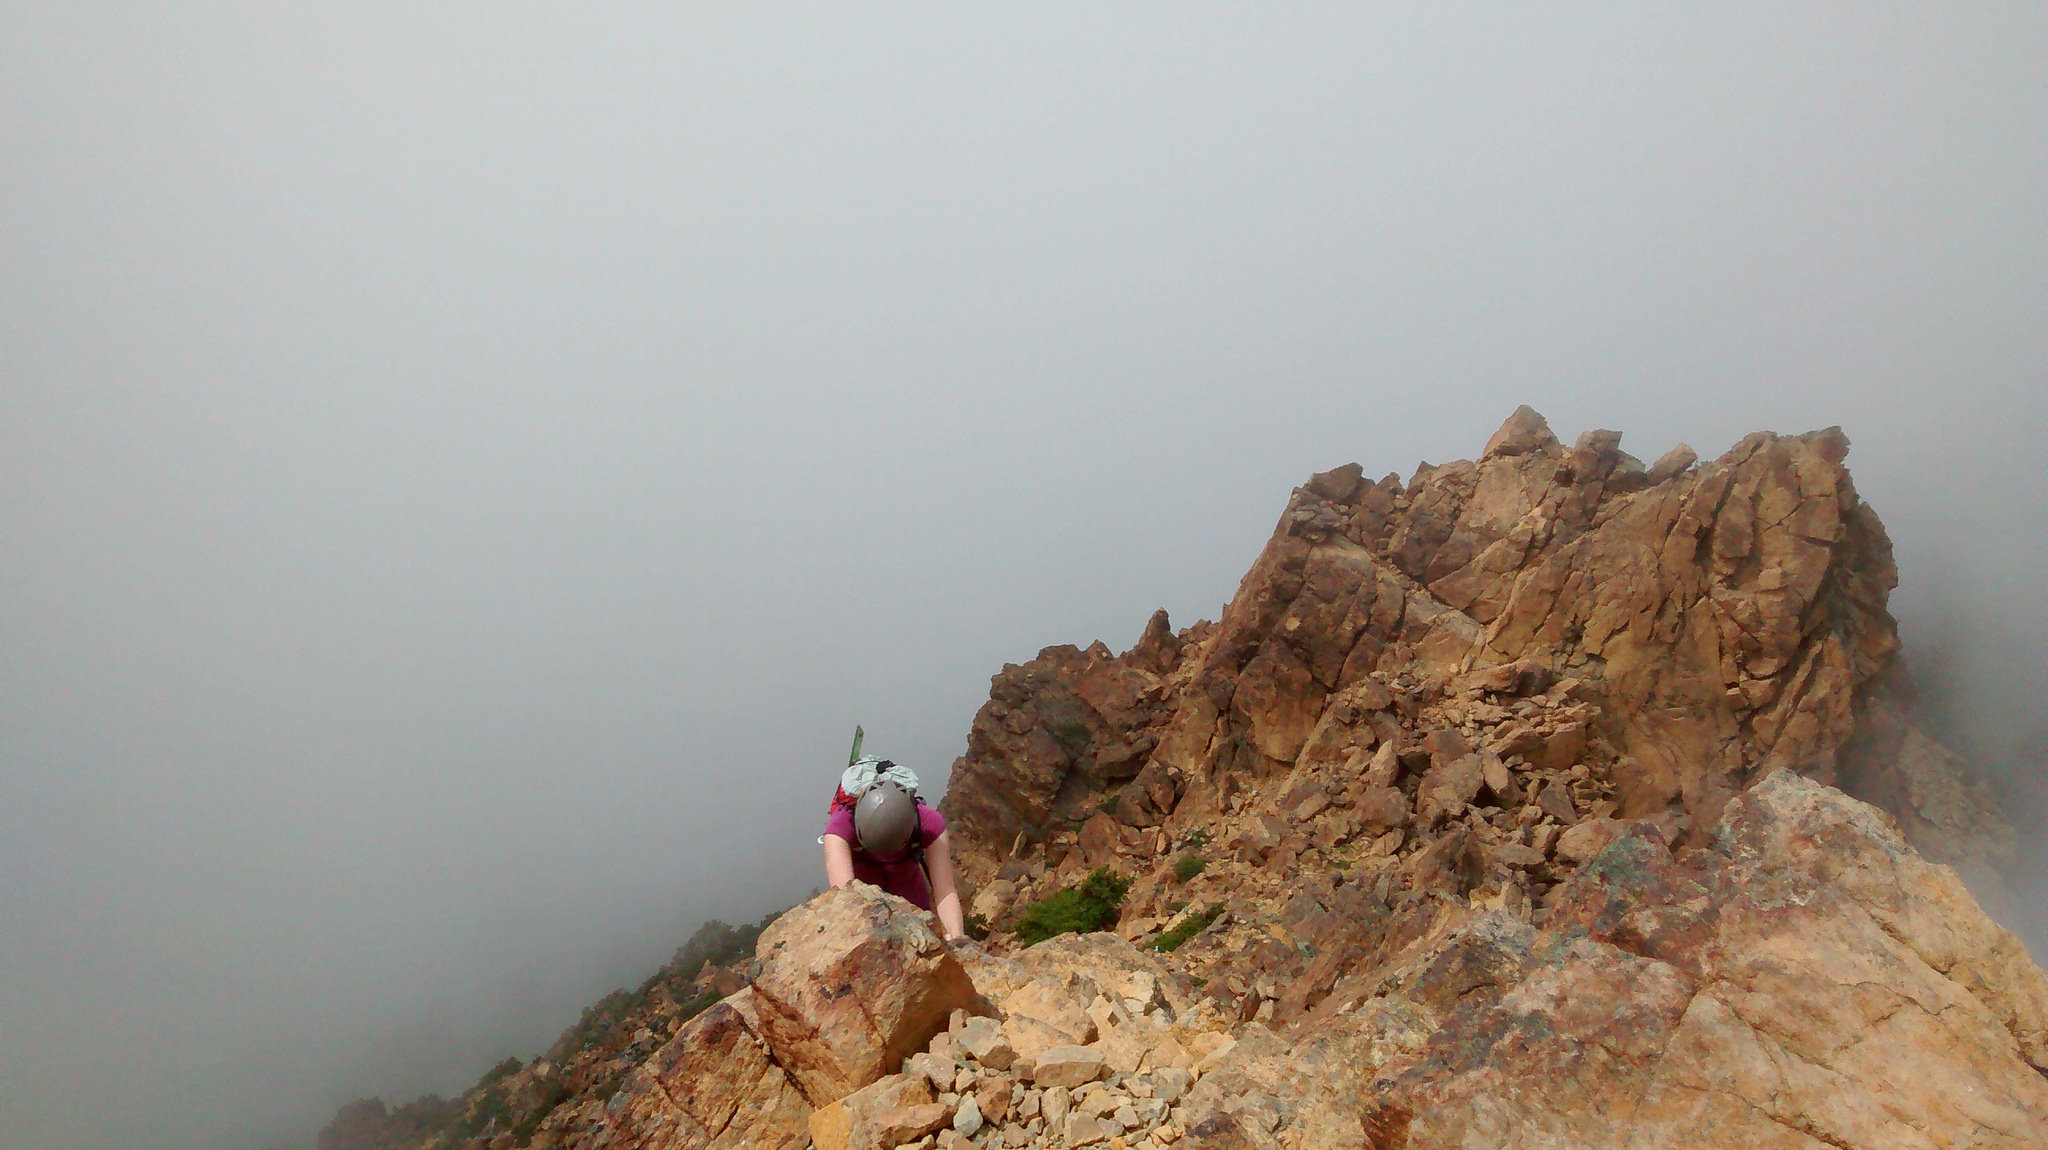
(852, 757)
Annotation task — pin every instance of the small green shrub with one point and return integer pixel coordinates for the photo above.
(1188, 866)
(976, 926)
(429, 1116)
(1088, 907)
(553, 1095)
(491, 1106)
(1108, 804)
(1191, 926)
(696, 1004)
(1195, 841)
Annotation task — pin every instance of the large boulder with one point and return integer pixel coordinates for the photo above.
(712, 1087)
(1806, 981)
(1524, 432)
(851, 983)
(879, 1116)
(1809, 980)
(1085, 715)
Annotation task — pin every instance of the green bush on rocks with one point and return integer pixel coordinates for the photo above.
(1088, 907)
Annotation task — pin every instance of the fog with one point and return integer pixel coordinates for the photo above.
(465, 469)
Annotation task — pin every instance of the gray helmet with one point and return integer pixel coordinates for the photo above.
(884, 819)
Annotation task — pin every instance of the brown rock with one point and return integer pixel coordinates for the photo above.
(984, 1041)
(1066, 713)
(831, 1128)
(1279, 700)
(1673, 463)
(1055, 1103)
(1719, 623)
(1043, 1014)
(1451, 785)
(1445, 746)
(1449, 865)
(1555, 799)
(1562, 749)
(936, 1070)
(1499, 677)
(1521, 677)
(1169, 1083)
(992, 1099)
(967, 1120)
(713, 1083)
(1515, 855)
(855, 1122)
(1310, 807)
(1099, 841)
(1086, 1130)
(1523, 433)
(852, 983)
(900, 1124)
(1595, 455)
(1385, 768)
(1067, 1066)
(1166, 1059)
(1946, 813)
(1158, 649)
(1378, 809)
(1734, 611)
(1807, 981)
(1339, 484)
(1498, 779)
(1259, 836)
(1587, 839)
(992, 900)
(1523, 739)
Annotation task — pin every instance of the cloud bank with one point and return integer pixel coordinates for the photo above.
(463, 472)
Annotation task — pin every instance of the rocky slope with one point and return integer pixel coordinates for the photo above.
(1646, 640)
(1513, 805)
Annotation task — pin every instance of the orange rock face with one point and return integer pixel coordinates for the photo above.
(1707, 625)
(1808, 981)
(845, 986)
(1519, 804)
(852, 983)
(713, 1085)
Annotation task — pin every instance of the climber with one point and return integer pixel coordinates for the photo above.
(880, 833)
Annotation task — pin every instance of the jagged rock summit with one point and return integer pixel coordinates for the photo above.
(1521, 804)
(1645, 641)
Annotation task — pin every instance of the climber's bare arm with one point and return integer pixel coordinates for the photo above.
(838, 861)
(938, 859)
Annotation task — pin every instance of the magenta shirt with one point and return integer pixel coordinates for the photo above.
(900, 875)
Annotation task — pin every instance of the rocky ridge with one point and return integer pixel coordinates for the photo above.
(1511, 805)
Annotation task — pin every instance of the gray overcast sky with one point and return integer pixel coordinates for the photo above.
(465, 468)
